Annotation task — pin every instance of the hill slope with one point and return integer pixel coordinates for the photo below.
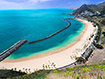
(78, 72)
(91, 8)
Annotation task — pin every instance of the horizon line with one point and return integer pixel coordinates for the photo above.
(38, 8)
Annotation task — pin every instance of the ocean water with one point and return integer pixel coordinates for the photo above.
(32, 25)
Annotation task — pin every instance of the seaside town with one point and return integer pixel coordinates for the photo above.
(83, 59)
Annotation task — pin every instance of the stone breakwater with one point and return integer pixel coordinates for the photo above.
(52, 34)
(12, 49)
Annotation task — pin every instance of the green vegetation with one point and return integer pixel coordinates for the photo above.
(99, 28)
(98, 21)
(41, 74)
(80, 60)
(10, 74)
(92, 8)
(96, 71)
(98, 46)
(82, 9)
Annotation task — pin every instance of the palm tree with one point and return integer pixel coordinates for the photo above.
(43, 66)
(80, 60)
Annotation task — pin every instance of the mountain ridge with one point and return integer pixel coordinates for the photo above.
(91, 8)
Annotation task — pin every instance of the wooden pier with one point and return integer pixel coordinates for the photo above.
(12, 49)
(52, 34)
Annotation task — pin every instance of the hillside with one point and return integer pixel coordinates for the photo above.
(92, 8)
(94, 68)
(4, 73)
(79, 72)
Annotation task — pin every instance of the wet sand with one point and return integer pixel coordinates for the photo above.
(60, 57)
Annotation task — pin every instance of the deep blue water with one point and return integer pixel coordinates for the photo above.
(32, 25)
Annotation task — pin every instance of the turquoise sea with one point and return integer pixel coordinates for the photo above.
(35, 24)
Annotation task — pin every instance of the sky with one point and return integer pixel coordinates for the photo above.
(36, 4)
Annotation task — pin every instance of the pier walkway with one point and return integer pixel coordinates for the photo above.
(12, 49)
(52, 34)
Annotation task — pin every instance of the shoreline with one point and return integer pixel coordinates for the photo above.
(53, 51)
(60, 57)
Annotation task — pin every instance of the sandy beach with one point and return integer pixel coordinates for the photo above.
(60, 57)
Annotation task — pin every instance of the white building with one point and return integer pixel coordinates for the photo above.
(97, 13)
(87, 13)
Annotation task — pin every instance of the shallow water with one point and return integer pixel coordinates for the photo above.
(32, 25)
